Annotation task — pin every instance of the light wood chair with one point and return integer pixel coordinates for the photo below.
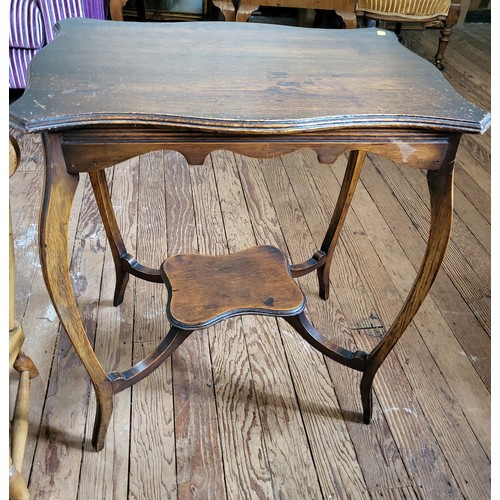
(19, 362)
(414, 11)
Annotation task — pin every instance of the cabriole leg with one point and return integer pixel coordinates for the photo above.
(440, 183)
(115, 240)
(349, 183)
(59, 192)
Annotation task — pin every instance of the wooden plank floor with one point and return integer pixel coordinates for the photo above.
(247, 409)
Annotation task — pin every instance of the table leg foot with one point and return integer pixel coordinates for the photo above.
(366, 398)
(102, 418)
(120, 287)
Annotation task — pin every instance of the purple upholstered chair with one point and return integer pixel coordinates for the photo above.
(32, 26)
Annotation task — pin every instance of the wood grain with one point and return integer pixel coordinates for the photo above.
(472, 281)
(430, 321)
(468, 330)
(246, 465)
(349, 300)
(292, 86)
(153, 397)
(200, 472)
(284, 433)
(100, 472)
(429, 437)
(327, 433)
(66, 399)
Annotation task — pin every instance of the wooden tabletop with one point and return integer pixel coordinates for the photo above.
(235, 77)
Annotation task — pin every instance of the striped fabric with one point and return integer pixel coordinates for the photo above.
(411, 9)
(19, 60)
(20, 36)
(32, 26)
(95, 9)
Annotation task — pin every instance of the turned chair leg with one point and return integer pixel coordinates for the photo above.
(20, 362)
(446, 32)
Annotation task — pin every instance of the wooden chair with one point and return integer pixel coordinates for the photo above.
(19, 362)
(414, 11)
(343, 8)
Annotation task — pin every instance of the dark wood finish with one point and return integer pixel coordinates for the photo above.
(450, 21)
(116, 244)
(355, 360)
(89, 149)
(125, 264)
(206, 289)
(351, 177)
(431, 432)
(288, 88)
(280, 80)
(127, 378)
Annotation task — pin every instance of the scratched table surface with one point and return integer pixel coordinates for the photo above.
(236, 77)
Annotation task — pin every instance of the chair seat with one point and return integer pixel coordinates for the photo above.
(204, 290)
(412, 9)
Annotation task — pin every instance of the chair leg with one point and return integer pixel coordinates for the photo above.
(446, 32)
(20, 423)
(227, 9)
(17, 487)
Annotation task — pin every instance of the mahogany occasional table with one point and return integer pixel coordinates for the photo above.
(104, 92)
